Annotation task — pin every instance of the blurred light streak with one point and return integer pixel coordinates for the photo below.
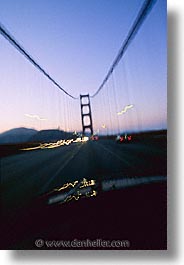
(82, 188)
(56, 144)
(125, 109)
(66, 185)
(35, 117)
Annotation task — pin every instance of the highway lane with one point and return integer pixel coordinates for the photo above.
(27, 175)
(140, 158)
(23, 176)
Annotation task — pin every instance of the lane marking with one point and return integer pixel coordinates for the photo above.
(67, 161)
(114, 154)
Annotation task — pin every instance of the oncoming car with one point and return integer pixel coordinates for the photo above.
(94, 137)
(123, 138)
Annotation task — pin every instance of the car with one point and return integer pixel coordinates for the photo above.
(94, 137)
(123, 138)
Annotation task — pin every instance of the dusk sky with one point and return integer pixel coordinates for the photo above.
(75, 41)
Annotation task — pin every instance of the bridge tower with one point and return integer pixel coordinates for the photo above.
(86, 114)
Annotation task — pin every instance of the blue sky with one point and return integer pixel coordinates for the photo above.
(76, 42)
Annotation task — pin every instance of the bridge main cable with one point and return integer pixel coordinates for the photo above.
(144, 11)
(11, 39)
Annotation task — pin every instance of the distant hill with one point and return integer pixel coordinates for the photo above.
(50, 135)
(17, 135)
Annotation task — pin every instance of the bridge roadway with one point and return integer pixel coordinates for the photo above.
(138, 214)
(27, 175)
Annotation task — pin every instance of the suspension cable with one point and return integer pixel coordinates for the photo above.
(144, 11)
(4, 32)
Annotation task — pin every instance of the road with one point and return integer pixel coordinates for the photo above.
(137, 213)
(25, 176)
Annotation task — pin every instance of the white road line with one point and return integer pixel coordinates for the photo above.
(114, 154)
(67, 161)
